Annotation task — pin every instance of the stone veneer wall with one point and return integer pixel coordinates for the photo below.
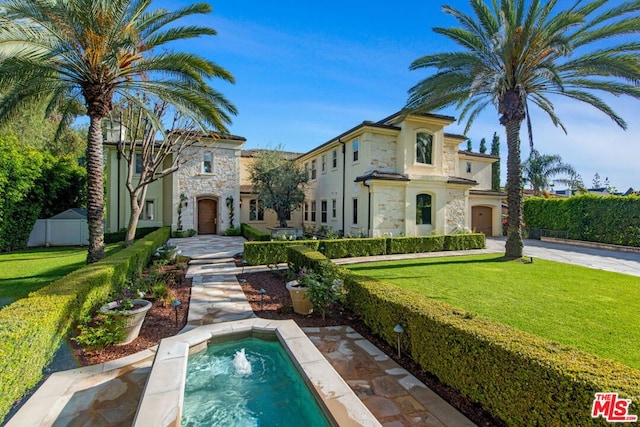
(449, 159)
(390, 211)
(221, 183)
(383, 153)
(455, 211)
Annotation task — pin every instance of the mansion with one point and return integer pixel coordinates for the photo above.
(400, 176)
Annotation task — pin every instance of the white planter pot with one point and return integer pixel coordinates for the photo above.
(133, 318)
(301, 303)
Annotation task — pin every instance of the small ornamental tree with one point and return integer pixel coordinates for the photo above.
(495, 167)
(277, 182)
(154, 158)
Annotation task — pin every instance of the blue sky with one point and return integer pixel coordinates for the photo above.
(307, 71)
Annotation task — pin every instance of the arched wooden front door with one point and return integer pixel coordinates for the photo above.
(207, 216)
(481, 220)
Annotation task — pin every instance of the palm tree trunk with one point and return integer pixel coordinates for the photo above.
(95, 190)
(513, 248)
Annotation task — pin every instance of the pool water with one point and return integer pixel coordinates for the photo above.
(274, 394)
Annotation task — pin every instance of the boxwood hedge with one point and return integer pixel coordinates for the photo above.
(520, 378)
(273, 252)
(250, 233)
(31, 329)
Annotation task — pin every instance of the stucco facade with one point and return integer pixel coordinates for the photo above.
(386, 180)
(400, 176)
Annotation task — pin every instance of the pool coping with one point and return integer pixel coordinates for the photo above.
(163, 396)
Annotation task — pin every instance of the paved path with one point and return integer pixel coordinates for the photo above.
(601, 259)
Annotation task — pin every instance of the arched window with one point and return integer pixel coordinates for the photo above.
(424, 148)
(423, 209)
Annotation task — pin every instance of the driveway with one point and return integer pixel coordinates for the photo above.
(601, 259)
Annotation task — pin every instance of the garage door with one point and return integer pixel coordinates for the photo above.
(481, 220)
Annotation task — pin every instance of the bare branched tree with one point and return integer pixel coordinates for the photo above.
(156, 153)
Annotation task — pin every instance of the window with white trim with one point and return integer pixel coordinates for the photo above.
(424, 148)
(423, 209)
(356, 148)
(323, 211)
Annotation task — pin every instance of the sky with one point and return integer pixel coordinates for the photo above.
(305, 72)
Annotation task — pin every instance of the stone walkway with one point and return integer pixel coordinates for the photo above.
(393, 395)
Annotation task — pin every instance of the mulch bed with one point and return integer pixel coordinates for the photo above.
(276, 303)
(160, 322)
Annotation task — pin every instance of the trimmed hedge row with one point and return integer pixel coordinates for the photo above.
(305, 257)
(250, 233)
(31, 329)
(604, 219)
(119, 236)
(522, 379)
(342, 248)
(273, 252)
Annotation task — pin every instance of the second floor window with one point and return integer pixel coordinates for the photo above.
(306, 211)
(356, 149)
(334, 159)
(313, 169)
(324, 163)
(468, 167)
(424, 148)
(207, 162)
(333, 209)
(313, 211)
(256, 210)
(423, 209)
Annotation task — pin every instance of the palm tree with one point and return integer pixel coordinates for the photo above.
(539, 169)
(98, 51)
(518, 53)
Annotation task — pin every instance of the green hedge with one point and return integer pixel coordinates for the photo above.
(273, 252)
(250, 233)
(31, 329)
(270, 253)
(305, 257)
(407, 245)
(342, 248)
(521, 379)
(119, 236)
(604, 219)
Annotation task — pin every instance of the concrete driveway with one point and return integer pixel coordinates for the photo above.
(601, 259)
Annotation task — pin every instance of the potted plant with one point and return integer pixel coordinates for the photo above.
(313, 290)
(130, 310)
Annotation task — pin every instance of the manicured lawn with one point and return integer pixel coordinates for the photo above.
(26, 271)
(593, 310)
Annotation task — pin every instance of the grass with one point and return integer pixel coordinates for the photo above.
(26, 271)
(593, 310)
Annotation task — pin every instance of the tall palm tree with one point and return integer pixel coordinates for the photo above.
(540, 169)
(98, 50)
(517, 53)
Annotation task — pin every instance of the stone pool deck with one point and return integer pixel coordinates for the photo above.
(108, 394)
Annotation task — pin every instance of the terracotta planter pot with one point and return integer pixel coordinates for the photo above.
(301, 303)
(133, 318)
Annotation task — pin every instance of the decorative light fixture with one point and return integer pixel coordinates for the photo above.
(398, 330)
(261, 292)
(175, 305)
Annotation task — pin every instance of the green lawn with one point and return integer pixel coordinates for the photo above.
(593, 310)
(25, 271)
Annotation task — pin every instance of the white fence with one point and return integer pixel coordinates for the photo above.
(59, 232)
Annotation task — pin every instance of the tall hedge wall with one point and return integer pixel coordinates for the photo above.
(604, 219)
(521, 379)
(31, 329)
